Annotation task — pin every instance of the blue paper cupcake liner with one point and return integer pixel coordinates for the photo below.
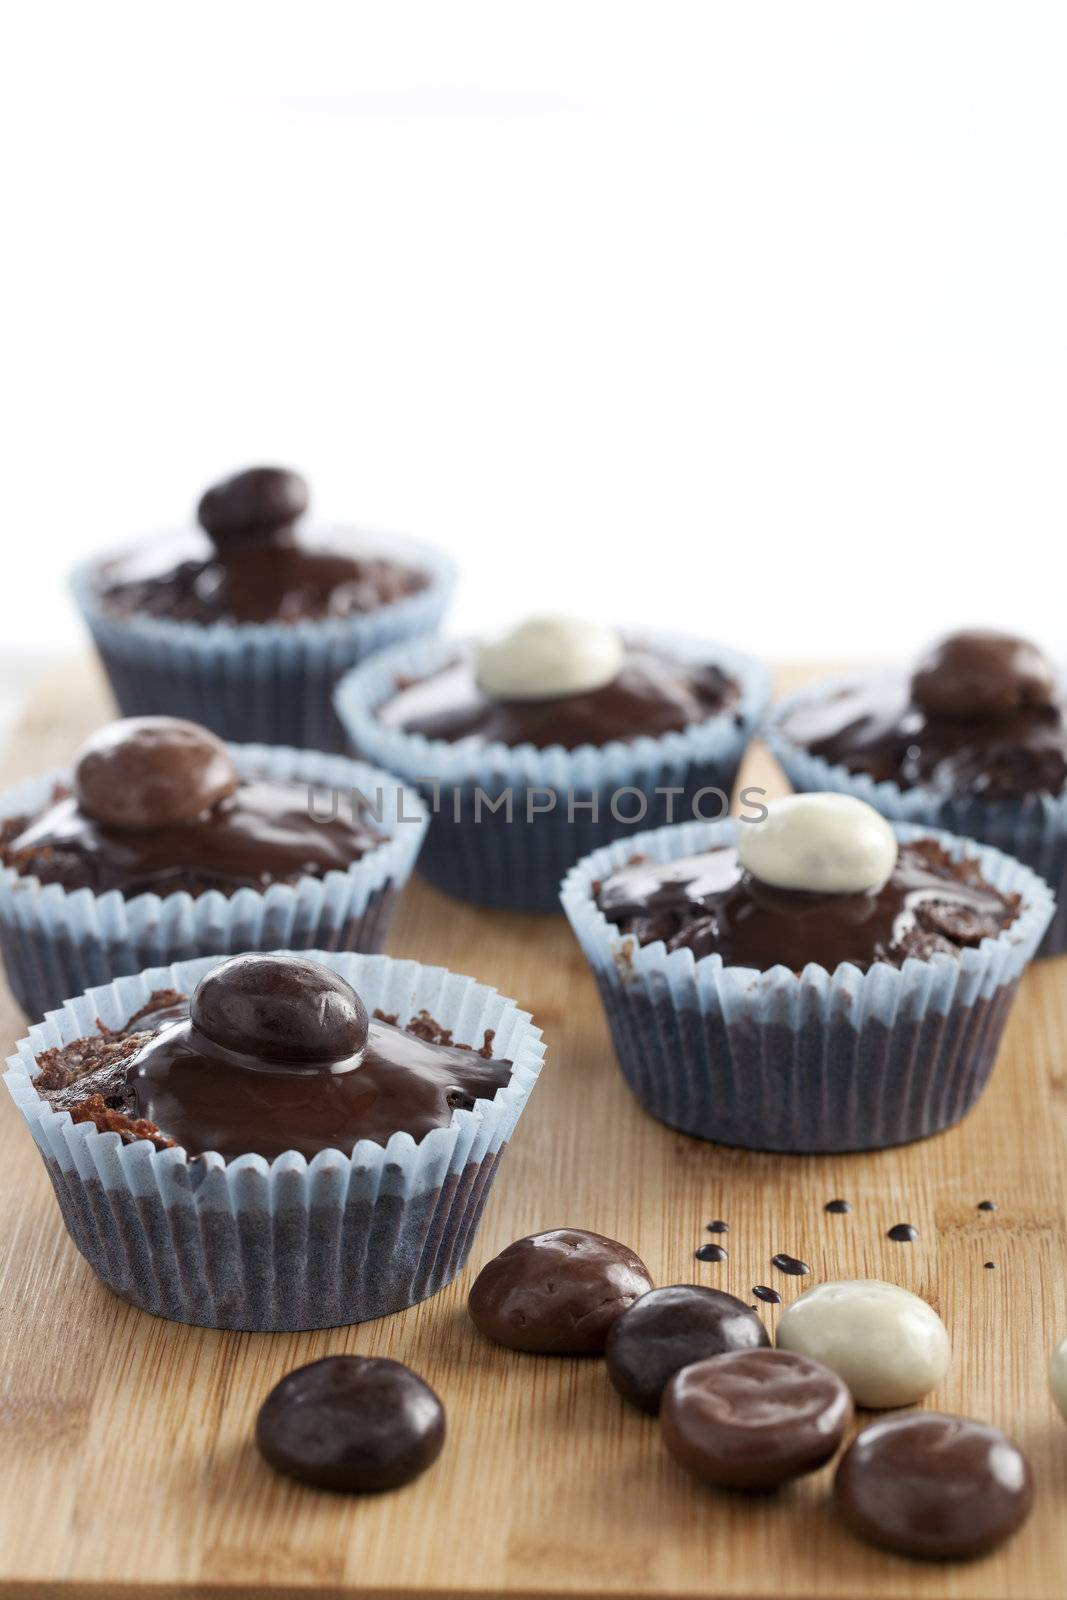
(289, 1244)
(56, 942)
(1033, 829)
(516, 861)
(268, 682)
(812, 1061)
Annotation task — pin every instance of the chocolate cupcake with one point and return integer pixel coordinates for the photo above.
(973, 740)
(245, 623)
(276, 1142)
(818, 980)
(162, 843)
(533, 750)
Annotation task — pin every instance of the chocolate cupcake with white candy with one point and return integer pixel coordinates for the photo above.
(534, 748)
(245, 622)
(818, 979)
(161, 843)
(276, 1141)
(973, 739)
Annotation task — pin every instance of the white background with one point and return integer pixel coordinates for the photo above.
(748, 318)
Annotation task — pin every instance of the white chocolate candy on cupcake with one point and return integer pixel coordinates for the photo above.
(549, 657)
(888, 1345)
(821, 843)
(1057, 1377)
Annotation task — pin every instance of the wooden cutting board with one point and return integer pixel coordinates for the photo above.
(126, 1461)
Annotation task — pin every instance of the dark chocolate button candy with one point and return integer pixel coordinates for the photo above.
(932, 1485)
(670, 1328)
(753, 1419)
(351, 1422)
(282, 1009)
(254, 504)
(980, 673)
(151, 772)
(557, 1293)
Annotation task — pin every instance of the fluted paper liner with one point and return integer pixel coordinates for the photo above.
(518, 863)
(57, 942)
(810, 1061)
(289, 1244)
(270, 682)
(1033, 829)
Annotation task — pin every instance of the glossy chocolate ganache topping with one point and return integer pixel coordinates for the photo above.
(560, 681)
(982, 714)
(157, 805)
(916, 902)
(254, 562)
(272, 1053)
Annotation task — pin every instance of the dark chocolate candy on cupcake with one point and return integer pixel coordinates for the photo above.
(254, 563)
(560, 681)
(158, 805)
(821, 880)
(982, 715)
(360, 1424)
(272, 1053)
(557, 1293)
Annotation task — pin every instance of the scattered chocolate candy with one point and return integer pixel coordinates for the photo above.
(982, 673)
(557, 1293)
(902, 1233)
(358, 1423)
(282, 1009)
(936, 1486)
(259, 503)
(889, 1346)
(790, 1264)
(670, 1328)
(151, 772)
(753, 1419)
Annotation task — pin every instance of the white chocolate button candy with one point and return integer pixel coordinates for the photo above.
(1057, 1377)
(889, 1346)
(548, 658)
(825, 843)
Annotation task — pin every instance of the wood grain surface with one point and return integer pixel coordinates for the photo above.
(126, 1461)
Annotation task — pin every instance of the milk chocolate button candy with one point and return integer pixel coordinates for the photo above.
(821, 843)
(259, 503)
(980, 673)
(1057, 1377)
(280, 1009)
(151, 772)
(670, 1328)
(548, 658)
(889, 1346)
(935, 1486)
(557, 1293)
(351, 1422)
(753, 1419)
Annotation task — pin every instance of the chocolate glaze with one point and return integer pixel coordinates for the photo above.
(557, 1293)
(163, 1078)
(709, 905)
(669, 1328)
(754, 1419)
(652, 695)
(262, 833)
(256, 566)
(937, 1486)
(356, 1423)
(875, 725)
(837, 1208)
(903, 1233)
(711, 1252)
(791, 1265)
